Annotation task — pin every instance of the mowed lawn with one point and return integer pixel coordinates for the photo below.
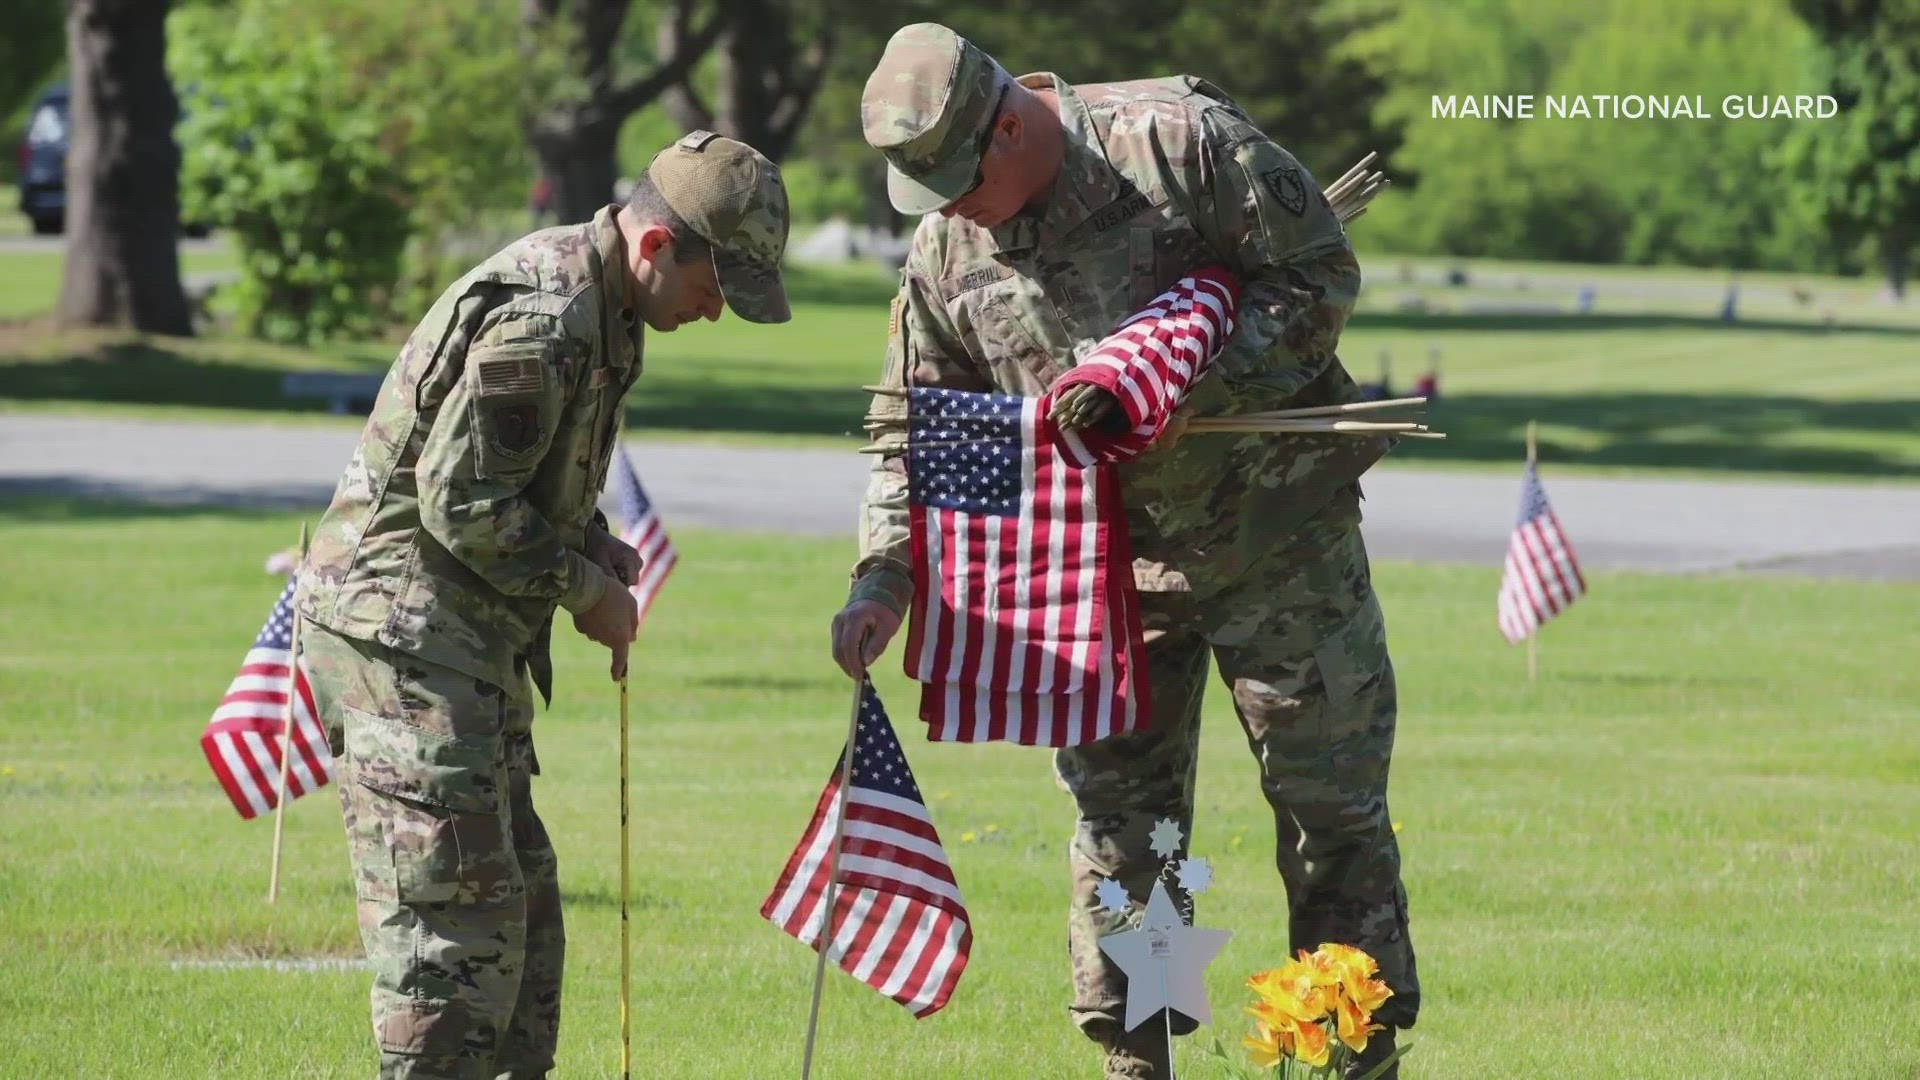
(1689, 850)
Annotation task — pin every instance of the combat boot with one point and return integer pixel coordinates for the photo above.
(1379, 1048)
(1140, 1054)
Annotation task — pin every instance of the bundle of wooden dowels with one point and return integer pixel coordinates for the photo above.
(1350, 195)
(1398, 417)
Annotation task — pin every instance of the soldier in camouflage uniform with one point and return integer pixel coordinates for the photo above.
(466, 515)
(1053, 212)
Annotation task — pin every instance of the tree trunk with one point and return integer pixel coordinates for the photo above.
(575, 140)
(123, 171)
(770, 67)
(575, 149)
(1896, 257)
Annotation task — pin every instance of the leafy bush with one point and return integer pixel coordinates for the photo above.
(277, 149)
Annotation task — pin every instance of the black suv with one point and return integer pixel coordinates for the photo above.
(43, 162)
(43, 166)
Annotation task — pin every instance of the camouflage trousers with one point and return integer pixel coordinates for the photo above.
(455, 880)
(1301, 644)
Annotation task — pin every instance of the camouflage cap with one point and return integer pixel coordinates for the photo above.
(926, 107)
(733, 197)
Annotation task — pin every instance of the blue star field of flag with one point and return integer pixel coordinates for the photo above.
(973, 462)
(878, 762)
(1533, 496)
(278, 632)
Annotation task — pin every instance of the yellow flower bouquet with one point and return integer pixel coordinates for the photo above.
(1313, 1015)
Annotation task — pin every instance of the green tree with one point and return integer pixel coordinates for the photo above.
(576, 133)
(334, 133)
(1859, 172)
(285, 154)
(454, 84)
(32, 48)
(1589, 189)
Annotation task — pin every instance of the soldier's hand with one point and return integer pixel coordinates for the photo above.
(860, 634)
(1176, 428)
(612, 554)
(1081, 407)
(612, 622)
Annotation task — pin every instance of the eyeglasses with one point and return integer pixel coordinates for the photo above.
(985, 142)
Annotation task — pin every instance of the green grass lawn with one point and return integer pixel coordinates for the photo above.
(33, 277)
(12, 221)
(1641, 384)
(1687, 851)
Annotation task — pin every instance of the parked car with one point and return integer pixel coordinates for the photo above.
(43, 163)
(43, 166)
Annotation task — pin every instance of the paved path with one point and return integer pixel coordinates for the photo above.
(1843, 530)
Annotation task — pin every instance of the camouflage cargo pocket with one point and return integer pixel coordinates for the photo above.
(1353, 656)
(432, 829)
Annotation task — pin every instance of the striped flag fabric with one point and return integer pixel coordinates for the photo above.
(1542, 576)
(642, 530)
(898, 924)
(1151, 361)
(1025, 624)
(242, 741)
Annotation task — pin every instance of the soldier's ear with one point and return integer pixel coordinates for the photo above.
(653, 240)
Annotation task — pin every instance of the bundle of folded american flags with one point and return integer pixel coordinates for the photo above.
(1026, 625)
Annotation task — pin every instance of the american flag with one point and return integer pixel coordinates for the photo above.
(1542, 576)
(242, 741)
(1025, 625)
(1152, 360)
(899, 924)
(641, 529)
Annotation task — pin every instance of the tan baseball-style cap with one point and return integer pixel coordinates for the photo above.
(928, 107)
(732, 196)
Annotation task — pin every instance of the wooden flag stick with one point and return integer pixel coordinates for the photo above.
(1533, 639)
(1310, 424)
(287, 720)
(1335, 410)
(626, 905)
(825, 940)
(1309, 412)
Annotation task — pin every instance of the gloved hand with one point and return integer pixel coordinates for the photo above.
(1081, 407)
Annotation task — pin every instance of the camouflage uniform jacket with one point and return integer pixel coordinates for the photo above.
(1159, 177)
(460, 522)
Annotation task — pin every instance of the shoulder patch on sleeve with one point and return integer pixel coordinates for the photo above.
(1288, 187)
(511, 369)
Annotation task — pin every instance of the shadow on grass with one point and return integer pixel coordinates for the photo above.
(160, 371)
(58, 504)
(1737, 433)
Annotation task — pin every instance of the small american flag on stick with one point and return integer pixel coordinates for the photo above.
(242, 741)
(899, 924)
(1542, 576)
(642, 530)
